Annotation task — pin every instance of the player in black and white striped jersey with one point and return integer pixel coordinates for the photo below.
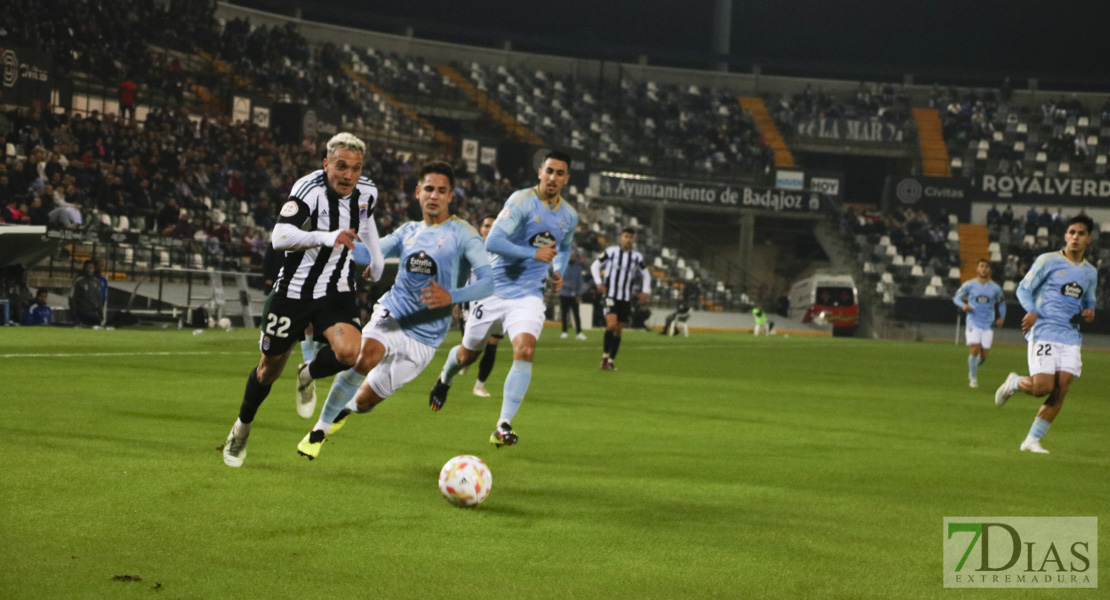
(316, 229)
(616, 273)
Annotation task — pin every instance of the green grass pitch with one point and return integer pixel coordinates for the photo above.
(718, 466)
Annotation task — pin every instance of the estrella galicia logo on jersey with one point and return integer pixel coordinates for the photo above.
(542, 239)
(1072, 290)
(982, 299)
(421, 264)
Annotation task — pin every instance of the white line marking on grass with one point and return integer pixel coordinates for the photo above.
(72, 354)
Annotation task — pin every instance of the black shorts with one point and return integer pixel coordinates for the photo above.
(284, 319)
(621, 308)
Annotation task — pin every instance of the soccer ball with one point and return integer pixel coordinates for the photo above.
(465, 481)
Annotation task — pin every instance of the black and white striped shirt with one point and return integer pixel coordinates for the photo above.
(316, 271)
(622, 271)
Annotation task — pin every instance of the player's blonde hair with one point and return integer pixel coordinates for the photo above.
(346, 141)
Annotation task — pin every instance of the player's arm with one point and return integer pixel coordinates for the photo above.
(566, 245)
(434, 296)
(595, 272)
(482, 286)
(1029, 286)
(1001, 304)
(288, 234)
(1087, 300)
(960, 299)
(645, 286)
(1032, 282)
(368, 233)
(511, 218)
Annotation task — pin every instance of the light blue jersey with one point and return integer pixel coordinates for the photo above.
(982, 298)
(524, 225)
(429, 252)
(1057, 290)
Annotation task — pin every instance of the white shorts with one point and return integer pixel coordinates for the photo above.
(495, 316)
(404, 358)
(1046, 358)
(983, 337)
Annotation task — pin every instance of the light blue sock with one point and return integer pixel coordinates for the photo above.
(343, 390)
(1039, 428)
(308, 349)
(972, 366)
(451, 367)
(516, 385)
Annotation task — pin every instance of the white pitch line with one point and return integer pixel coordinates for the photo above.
(72, 354)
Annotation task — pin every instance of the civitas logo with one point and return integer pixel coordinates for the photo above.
(1021, 552)
(908, 191)
(11, 68)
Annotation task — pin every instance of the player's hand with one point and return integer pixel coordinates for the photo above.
(346, 238)
(547, 253)
(998, 322)
(1029, 320)
(601, 289)
(643, 298)
(456, 312)
(556, 282)
(1089, 315)
(435, 296)
(967, 307)
(368, 273)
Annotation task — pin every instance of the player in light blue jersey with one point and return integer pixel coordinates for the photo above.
(533, 234)
(1056, 294)
(978, 298)
(411, 319)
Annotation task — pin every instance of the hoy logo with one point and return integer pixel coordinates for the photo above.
(1021, 552)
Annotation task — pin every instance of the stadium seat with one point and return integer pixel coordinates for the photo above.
(1042, 157)
(931, 291)
(994, 247)
(891, 251)
(917, 271)
(953, 235)
(1029, 241)
(1019, 146)
(1009, 287)
(1083, 122)
(996, 257)
(953, 220)
(1064, 168)
(1042, 232)
(887, 278)
(898, 261)
(954, 273)
(957, 162)
(884, 240)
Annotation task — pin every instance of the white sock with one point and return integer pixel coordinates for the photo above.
(241, 429)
